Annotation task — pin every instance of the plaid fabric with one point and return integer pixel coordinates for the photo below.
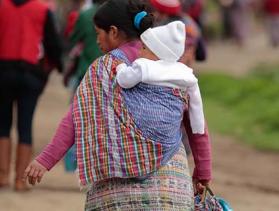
(159, 112)
(210, 203)
(168, 189)
(108, 142)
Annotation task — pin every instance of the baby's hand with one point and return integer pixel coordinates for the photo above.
(34, 172)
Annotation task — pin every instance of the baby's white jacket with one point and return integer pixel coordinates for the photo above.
(169, 74)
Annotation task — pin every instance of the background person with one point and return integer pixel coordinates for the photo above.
(83, 45)
(271, 8)
(29, 49)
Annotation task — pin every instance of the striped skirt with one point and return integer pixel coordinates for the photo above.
(170, 188)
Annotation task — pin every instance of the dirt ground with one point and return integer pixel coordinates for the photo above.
(247, 178)
(235, 60)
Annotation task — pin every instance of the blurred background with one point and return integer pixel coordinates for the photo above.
(239, 80)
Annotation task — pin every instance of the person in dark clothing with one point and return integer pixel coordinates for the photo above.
(29, 49)
(236, 19)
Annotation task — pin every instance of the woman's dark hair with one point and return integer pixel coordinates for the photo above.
(121, 13)
(98, 1)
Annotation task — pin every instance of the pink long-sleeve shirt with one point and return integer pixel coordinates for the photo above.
(64, 138)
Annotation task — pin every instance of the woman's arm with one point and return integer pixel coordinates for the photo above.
(61, 142)
(53, 152)
(201, 149)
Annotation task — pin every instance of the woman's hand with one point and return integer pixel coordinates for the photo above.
(34, 172)
(199, 185)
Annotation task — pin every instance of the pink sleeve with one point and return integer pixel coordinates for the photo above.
(61, 142)
(201, 149)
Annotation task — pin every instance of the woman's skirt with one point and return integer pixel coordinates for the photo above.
(170, 188)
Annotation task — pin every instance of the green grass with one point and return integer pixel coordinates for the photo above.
(246, 108)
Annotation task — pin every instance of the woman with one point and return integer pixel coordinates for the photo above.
(121, 167)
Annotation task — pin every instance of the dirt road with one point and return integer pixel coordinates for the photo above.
(247, 178)
(237, 61)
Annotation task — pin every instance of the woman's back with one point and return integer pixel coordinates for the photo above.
(158, 113)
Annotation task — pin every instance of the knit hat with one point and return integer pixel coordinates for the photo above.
(170, 7)
(166, 42)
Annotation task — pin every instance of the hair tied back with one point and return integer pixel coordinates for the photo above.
(138, 18)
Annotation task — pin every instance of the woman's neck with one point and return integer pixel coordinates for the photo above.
(131, 49)
(125, 41)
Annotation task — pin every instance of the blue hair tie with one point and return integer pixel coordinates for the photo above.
(138, 18)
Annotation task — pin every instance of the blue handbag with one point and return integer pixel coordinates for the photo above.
(70, 159)
(207, 201)
(225, 205)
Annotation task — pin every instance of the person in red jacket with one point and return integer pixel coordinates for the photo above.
(28, 41)
(271, 8)
(194, 10)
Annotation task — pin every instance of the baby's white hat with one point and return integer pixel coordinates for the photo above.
(166, 42)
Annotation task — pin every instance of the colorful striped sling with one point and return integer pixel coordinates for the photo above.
(108, 143)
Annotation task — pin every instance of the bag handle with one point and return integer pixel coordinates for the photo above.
(206, 190)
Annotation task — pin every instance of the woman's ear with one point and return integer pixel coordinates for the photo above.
(114, 32)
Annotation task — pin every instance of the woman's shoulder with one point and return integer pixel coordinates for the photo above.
(118, 54)
(111, 58)
(104, 58)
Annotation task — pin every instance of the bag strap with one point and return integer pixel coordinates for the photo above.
(206, 190)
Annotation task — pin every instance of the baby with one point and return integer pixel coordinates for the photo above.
(158, 64)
